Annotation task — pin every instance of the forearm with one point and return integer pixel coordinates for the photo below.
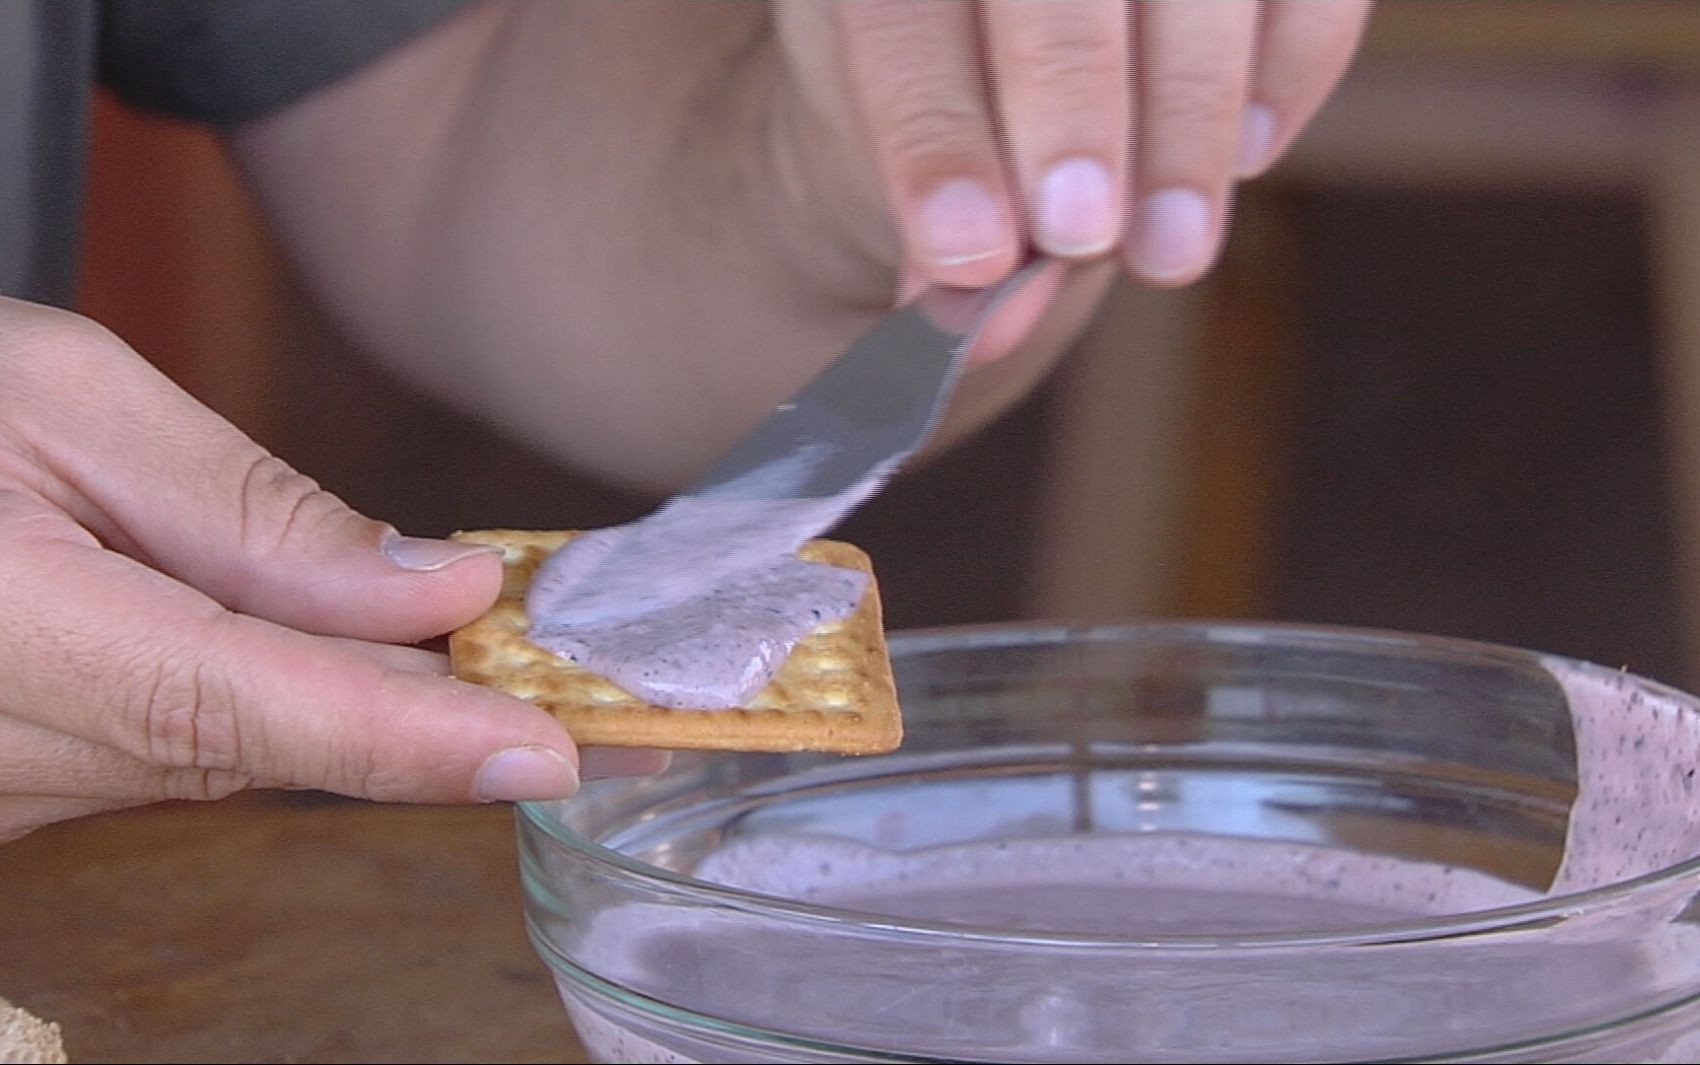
(590, 222)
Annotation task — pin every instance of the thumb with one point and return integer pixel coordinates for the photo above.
(162, 477)
(131, 677)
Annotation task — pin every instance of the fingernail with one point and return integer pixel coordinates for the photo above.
(1077, 211)
(961, 223)
(525, 773)
(1172, 237)
(420, 554)
(1257, 139)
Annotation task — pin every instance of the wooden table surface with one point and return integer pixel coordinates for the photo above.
(275, 928)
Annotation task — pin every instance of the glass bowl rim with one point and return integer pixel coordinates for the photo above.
(1499, 919)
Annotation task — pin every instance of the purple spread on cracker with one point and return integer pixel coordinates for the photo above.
(697, 605)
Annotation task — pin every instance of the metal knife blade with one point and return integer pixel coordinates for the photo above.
(855, 423)
(795, 476)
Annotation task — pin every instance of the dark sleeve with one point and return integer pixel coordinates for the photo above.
(226, 61)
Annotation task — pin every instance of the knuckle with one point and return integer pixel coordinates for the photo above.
(36, 328)
(183, 709)
(354, 765)
(201, 785)
(50, 352)
(1189, 136)
(920, 99)
(887, 23)
(923, 121)
(1195, 97)
(1065, 55)
(276, 504)
(380, 784)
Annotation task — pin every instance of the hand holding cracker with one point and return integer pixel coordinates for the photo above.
(185, 616)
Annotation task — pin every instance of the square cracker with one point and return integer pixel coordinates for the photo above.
(834, 693)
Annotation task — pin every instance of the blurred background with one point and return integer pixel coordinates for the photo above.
(1447, 378)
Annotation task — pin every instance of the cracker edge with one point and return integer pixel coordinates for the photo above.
(876, 728)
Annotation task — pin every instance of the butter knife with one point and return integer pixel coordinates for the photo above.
(851, 427)
(797, 474)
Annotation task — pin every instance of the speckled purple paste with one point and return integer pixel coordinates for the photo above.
(1638, 751)
(698, 604)
(1637, 807)
(1133, 885)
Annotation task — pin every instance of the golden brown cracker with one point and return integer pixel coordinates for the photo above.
(834, 693)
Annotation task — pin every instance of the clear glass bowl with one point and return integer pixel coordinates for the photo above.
(1167, 842)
